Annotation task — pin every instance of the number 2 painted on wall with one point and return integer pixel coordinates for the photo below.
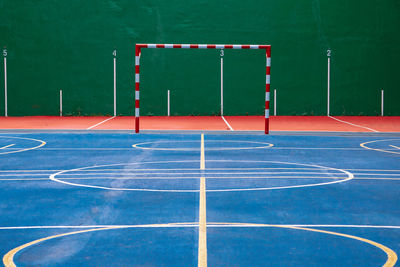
(328, 52)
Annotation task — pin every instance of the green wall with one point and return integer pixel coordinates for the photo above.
(68, 45)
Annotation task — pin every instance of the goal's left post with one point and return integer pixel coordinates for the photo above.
(267, 86)
(137, 80)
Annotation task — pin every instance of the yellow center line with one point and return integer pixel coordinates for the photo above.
(202, 256)
(7, 146)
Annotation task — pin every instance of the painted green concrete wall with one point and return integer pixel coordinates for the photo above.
(68, 45)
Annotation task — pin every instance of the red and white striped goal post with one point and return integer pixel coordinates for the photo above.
(267, 48)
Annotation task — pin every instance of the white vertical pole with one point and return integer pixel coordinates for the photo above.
(168, 104)
(5, 83)
(115, 83)
(61, 107)
(274, 102)
(329, 83)
(222, 86)
(382, 102)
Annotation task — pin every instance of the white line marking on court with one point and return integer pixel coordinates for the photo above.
(178, 178)
(124, 173)
(4, 147)
(195, 224)
(263, 145)
(356, 125)
(193, 169)
(53, 178)
(18, 171)
(215, 224)
(91, 127)
(395, 146)
(226, 122)
(99, 226)
(25, 179)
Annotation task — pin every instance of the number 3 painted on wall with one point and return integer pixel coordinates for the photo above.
(222, 53)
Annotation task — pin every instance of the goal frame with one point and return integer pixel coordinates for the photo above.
(139, 47)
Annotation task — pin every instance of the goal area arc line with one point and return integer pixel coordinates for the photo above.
(139, 47)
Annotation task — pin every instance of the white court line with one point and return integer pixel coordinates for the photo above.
(189, 169)
(177, 178)
(137, 174)
(99, 226)
(356, 125)
(210, 224)
(215, 224)
(25, 179)
(53, 178)
(196, 177)
(100, 123)
(230, 127)
(395, 146)
(4, 147)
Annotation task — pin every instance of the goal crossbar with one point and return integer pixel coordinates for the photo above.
(267, 48)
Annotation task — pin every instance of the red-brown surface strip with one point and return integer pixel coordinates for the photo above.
(241, 123)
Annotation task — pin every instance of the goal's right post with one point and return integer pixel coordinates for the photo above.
(137, 81)
(267, 87)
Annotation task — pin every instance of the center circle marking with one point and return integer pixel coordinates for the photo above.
(87, 173)
(257, 145)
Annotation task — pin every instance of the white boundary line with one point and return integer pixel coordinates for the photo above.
(210, 224)
(226, 122)
(171, 178)
(356, 125)
(100, 122)
(193, 169)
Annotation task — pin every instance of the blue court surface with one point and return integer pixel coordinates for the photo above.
(167, 199)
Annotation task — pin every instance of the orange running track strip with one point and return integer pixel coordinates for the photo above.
(49, 122)
(238, 123)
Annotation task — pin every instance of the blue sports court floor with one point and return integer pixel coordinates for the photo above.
(161, 199)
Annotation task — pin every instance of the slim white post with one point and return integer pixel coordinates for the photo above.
(222, 86)
(168, 104)
(115, 82)
(382, 102)
(274, 102)
(5, 83)
(329, 82)
(61, 103)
